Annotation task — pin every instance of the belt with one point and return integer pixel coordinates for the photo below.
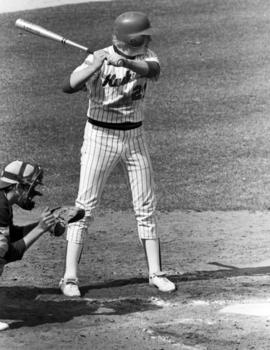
(115, 126)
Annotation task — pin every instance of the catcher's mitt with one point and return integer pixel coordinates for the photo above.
(65, 215)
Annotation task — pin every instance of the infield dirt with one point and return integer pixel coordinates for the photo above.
(217, 259)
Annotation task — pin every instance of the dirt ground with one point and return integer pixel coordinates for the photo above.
(219, 260)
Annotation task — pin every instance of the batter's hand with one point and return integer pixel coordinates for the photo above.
(46, 220)
(99, 57)
(115, 60)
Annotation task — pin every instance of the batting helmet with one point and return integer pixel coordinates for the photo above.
(131, 27)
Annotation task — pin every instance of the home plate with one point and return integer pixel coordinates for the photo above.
(261, 309)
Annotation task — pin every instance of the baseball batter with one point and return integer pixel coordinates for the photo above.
(116, 79)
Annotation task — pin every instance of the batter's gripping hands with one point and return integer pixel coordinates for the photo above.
(115, 60)
(65, 215)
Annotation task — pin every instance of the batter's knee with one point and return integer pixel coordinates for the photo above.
(77, 231)
(148, 229)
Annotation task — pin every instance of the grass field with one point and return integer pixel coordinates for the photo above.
(207, 118)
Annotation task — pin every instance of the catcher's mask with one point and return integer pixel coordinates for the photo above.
(25, 177)
(133, 28)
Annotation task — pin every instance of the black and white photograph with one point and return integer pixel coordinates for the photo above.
(135, 174)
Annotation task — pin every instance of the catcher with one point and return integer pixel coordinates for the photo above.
(18, 182)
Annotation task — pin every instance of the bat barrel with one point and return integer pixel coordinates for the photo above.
(20, 23)
(38, 30)
(44, 33)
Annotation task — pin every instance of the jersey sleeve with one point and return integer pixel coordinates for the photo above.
(4, 241)
(88, 61)
(2, 264)
(67, 88)
(152, 59)
(4, 230)
(4, 215)
(151, 56)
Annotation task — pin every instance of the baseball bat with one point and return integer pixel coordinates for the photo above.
(45, 33)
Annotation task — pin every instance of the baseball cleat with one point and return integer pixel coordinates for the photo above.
(69, 287)
(161, 282)
(3, 326)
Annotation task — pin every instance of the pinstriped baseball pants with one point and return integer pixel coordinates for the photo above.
(101, 151)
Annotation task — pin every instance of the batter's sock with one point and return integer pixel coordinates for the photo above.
(152, 254)
(73, 256)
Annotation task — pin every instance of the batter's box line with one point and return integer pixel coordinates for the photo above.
(221, 274)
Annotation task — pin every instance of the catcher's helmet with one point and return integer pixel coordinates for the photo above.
(131, 27)
(19, 172)
(25, 175)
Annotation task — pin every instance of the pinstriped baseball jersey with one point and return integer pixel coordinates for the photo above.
(116, 94)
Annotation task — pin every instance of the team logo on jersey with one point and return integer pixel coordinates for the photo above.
(112, 81)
